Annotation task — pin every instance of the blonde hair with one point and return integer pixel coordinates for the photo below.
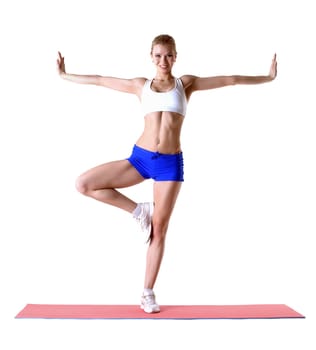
(164, 39)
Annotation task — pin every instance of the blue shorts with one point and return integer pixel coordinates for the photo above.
(157, 166)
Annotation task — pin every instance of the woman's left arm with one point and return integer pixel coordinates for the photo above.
(242, 79)
(194, 83)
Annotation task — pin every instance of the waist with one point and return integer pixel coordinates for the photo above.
(153, 153)
(160, 148)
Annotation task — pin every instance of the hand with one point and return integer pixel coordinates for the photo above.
(273, 68)
(61, 64)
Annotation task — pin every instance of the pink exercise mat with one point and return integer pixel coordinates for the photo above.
(167, 312)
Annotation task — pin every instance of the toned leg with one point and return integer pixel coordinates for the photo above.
(165, 196)
(101, 182)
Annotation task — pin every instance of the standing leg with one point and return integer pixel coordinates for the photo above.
(165, 196)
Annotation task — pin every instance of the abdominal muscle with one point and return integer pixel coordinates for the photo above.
(162, 133)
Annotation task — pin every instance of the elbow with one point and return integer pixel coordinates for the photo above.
(234, 80)
(98, 80)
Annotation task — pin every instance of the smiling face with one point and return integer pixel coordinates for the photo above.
(163, 56)
(163, 53)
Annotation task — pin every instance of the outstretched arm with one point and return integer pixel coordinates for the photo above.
(125, 85)
(259, 79)
(197, 83)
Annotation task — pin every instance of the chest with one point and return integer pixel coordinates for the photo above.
(162, 86)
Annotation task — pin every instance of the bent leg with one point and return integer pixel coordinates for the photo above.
(101, 182)
(165, 196)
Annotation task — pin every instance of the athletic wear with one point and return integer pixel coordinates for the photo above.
(143, 215)
(157, 166)
(148, 302)
(173, 100)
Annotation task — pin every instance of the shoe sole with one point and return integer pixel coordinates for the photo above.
(149, 311)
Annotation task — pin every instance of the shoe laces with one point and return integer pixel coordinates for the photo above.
(149, 299)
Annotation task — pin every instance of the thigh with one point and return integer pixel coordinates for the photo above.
(116, 174)
(165, 197)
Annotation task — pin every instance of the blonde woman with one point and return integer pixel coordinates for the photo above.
(157, 153)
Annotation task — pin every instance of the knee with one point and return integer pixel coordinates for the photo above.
(159, 231)
(81, 185)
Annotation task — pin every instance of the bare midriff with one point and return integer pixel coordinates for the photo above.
(162, 133)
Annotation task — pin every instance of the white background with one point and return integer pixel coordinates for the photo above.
(243, 227)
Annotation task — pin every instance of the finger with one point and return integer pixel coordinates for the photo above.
(61, 58)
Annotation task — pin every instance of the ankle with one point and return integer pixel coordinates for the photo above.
(148, 291)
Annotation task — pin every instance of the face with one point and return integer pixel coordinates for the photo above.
(163, 57)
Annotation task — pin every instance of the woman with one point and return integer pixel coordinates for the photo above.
(157, 153)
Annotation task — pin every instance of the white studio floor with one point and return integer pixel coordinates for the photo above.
(243, 230)
(38, 287)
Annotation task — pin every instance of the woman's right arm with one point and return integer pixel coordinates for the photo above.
(132, 86)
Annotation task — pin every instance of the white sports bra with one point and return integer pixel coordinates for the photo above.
(173, 100)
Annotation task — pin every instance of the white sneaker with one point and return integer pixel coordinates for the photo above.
(148, 303)
(145, 217)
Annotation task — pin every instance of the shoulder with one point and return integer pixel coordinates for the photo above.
(188, 80)
(139, 81)
(138, 84)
